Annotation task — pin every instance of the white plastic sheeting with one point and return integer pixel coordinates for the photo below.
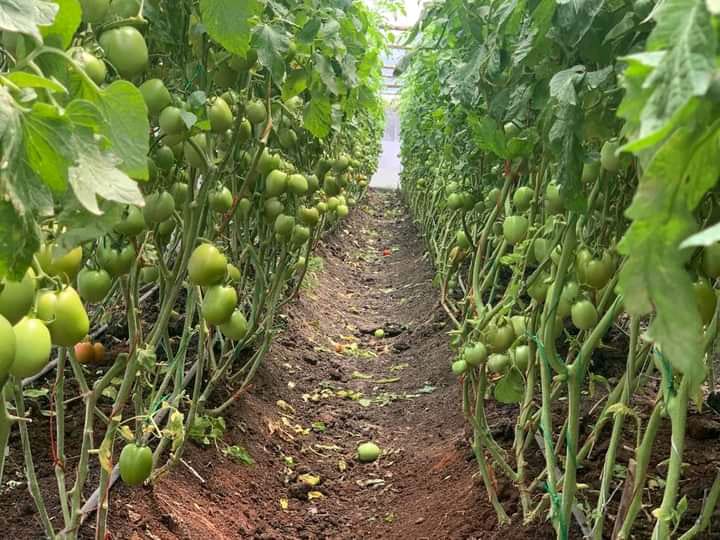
(388, 173)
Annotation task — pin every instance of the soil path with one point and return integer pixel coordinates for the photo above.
(329, 384)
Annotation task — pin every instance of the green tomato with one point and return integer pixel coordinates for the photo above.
(522, 198)
(706, 299)
(135, 464)
(475, 354)
(64, 265)
(520, 356)
(159, 207)
(368, 452)
(221, 200)
(459, 367)
(498, 363)
(711, 260)
(297, 184)
(341, 163)
(7, 348)
(192, 156)
(272, 208)
(455, 201)
(599, 271)
(275, 183)
(608, 156)
(553, 200)
(461, 240)
(156, 95)
(591, 171)
(164, 158)
(243, 207)
(333, 203)
(322, 207)
(500, 337)
(220, 115)
(93, 66)
(207, 266)
(245, 131)
(539, 288)
(268, 162)
(515, 229)
(300, 235)
(584, 315)
(541, 249)
(64, 315)
(219, 304)
(171, 123)
(519, 324)
(233, 273)
(94, 285)
(308, 216)
(133, 224)
(256, 112)
(288, 138)
(16, 297)
(32, 348)
(124, 9)
(236, 328)
(126, 50)
(284, 225)
(511, 129)
(94, 11)
(117, 263)
(179, 192)
(342, 210)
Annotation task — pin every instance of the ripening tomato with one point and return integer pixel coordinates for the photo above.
(135, 464)
(256, 112)
(219, 115)
(16, 297)
(7, 348)
(94, 285)
(221, 200)
(297, 184)
(156, 95)
(236, 328)
(584, 315)
(159, 206)
(126, 50)
(207, 266)
(64, 315)
(84, 353)
(219, 304)
(32, 348)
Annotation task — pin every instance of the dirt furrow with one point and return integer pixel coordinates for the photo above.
(331, 382)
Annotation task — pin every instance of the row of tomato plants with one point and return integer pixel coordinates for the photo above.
(172, 165)
(560, 180)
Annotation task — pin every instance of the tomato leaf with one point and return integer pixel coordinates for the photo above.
(510, 388)
(28, 80)
(229, 22)
(19, 240)
(24, 16)
(46, 137)
(60, 33)
(317, 117)
(271, 43)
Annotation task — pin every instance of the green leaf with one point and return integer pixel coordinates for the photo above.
(309, 30)
(510, 388)
(60, 33)
(327, 74)
(126, 124)
(271, 44)
(28, 80)
(487, 135)
(19, 240)
(46, 137)
(295, 84)
(317, 117)
(24, 16)
(229, 22)
(80, 226)
(239, 453)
